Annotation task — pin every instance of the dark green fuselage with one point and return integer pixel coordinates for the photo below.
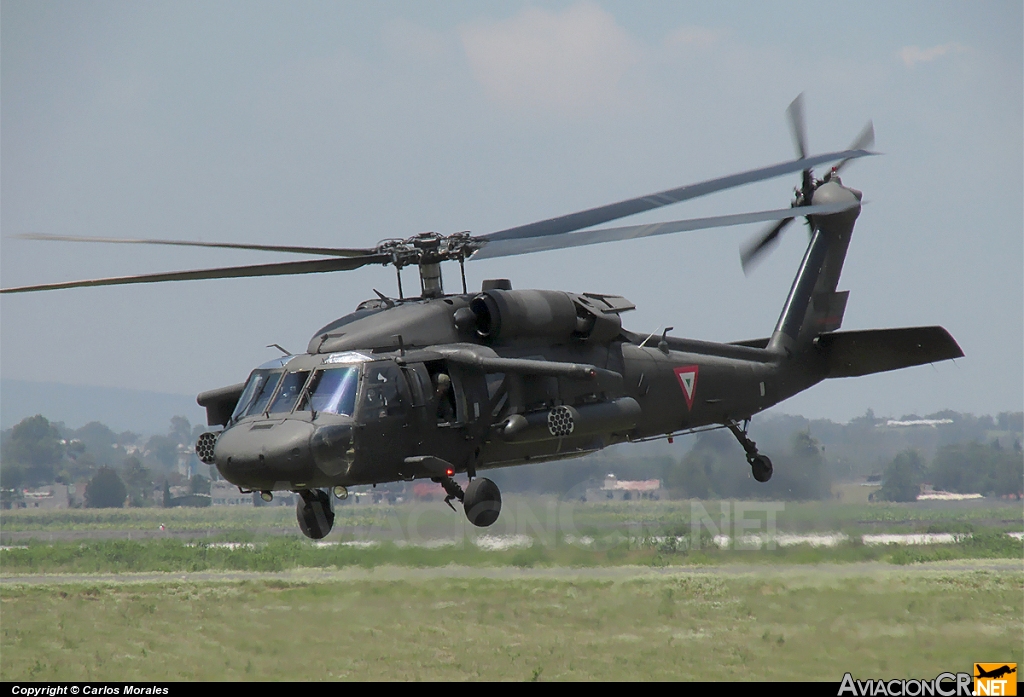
(543, 375)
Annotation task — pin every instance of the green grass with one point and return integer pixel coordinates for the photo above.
(632, 605)
(529, 514)
(815, 516)
(283, 553)
(805, 624)
(218, 519)
(622, 533)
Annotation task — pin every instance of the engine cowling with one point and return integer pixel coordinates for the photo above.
(503, 315)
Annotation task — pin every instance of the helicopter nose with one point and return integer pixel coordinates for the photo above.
(266, 454)
(332, 448)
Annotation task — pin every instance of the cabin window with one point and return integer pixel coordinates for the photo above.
(416, 388)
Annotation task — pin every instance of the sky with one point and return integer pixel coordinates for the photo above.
(341, 124)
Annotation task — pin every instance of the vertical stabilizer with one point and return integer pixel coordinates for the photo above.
(814, 306)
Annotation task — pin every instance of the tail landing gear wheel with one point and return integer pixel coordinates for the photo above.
(761, 468)
(482, 502)
(760, 465)
(314, 514)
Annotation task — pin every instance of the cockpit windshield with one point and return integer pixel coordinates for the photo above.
(332, 391)
(286, 397)
(257, 393)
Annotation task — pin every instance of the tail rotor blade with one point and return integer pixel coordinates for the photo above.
(797, 125)
(798, 128)
(755, 250)
(865, 140)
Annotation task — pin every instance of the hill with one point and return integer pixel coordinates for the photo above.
(76, 405)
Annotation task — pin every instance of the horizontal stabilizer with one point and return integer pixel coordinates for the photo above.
(850, 354)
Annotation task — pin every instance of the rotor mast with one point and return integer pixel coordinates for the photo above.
(427, 250)
(431, 281)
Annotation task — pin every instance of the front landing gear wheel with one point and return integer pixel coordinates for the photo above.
(761, 468)
(314, 514)
(482, 502)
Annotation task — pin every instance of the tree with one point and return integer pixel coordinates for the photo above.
(105, 490)
(12, 476)
(35, 446)
(84, 466)
(952, 468)
(164, 450)
(901, 480)
(181, 430)
(691, 477)
(704, 471)
(100, 441)
(802, 473)
(977, 468)
(138, 482)
(199, 485)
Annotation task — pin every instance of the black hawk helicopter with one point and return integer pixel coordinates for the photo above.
(440, 384)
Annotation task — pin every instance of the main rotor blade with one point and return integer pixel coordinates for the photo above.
(326, 251)
(797, 125)
(865, 140)
(287, 268)
(614, 211)
(504, 248)
(752, 252)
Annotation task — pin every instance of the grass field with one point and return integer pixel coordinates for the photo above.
(281, 553)
(783, 623)
(106, 595)
(522, 513)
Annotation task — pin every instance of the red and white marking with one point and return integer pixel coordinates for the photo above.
(687, 375)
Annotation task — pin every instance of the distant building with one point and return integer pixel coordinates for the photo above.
(187, 462)
(427, 491)
(928, 493)
(614, 489)
(895, 423)
(224, 493)
(54, 496)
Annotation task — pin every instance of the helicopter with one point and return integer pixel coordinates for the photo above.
(440, 384)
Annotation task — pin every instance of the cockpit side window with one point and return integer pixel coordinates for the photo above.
(332, 391)
(383, 390)
(291, 386)
(257, 393)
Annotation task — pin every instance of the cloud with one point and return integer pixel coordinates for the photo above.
(549, 60)
(911, 55)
